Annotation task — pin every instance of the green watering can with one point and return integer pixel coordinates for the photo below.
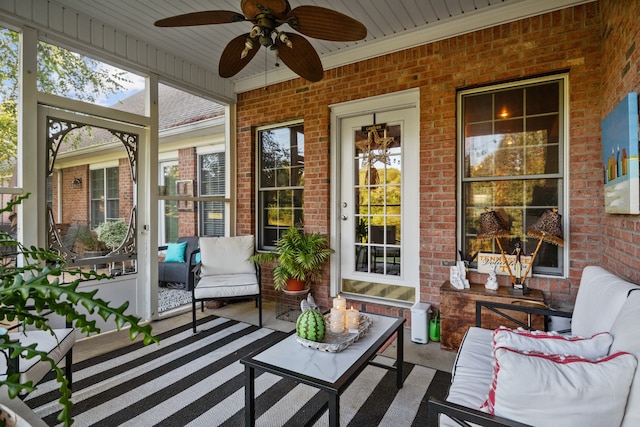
(434, 327)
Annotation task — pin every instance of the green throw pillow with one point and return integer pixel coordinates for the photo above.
(175, 252)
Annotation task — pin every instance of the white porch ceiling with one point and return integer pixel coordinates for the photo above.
(392, 25)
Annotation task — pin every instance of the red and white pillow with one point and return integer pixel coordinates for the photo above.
(550, 389)
(553, 343)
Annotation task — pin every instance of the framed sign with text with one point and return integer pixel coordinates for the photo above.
(486, 261)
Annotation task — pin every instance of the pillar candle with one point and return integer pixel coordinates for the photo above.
(340, 303)
(353, 319)
(337, 320)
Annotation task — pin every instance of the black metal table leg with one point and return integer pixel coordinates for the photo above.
(334, 409)
(400, 357)
(249, 397)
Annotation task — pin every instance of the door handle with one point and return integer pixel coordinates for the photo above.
(344, 217)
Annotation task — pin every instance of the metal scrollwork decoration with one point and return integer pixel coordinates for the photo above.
(64, 136)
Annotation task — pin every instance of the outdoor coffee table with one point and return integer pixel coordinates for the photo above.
(331, 372)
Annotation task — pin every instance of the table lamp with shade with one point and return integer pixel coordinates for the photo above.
(548, 229)
(492, 227)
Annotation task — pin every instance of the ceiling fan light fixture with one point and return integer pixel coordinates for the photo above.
(255, 32)
(265, 17)
(248, 45)
(266, 40)
(285, 39)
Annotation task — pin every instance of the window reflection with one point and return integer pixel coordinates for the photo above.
(378, 232)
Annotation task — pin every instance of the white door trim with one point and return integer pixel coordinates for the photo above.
(397, 100)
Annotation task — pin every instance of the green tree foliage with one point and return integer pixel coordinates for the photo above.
(60, 72)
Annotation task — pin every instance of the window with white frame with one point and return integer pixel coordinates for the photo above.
(280, 181)
(105, 195)
(511, 140)
(168, 218)
(212, 184)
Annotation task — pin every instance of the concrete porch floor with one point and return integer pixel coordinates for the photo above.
(429, 355)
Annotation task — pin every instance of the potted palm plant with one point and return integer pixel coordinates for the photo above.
(31, 288)
(300, 258)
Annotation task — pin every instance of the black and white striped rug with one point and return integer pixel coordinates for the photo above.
(197, 380)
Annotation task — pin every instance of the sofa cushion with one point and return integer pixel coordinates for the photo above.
(626, 337)
(226, 255)
(540, 389)
(175, 252)
(553, 343)
(473, 369)
(600, 298)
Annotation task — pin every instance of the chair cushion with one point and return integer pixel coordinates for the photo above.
(175, 252)
(226, 255)
(226, 286)
(600, 298)
(55, 346)
(541, 389)
(473, 369)
(625, 338)
(553, 343)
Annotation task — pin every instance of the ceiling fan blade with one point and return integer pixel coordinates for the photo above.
(302, 58)
(277, 8)
(231, 61)
(201, 18)
(325, 24)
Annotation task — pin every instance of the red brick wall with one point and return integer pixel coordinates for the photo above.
(125, 183)
(620, 75)
(188, 169)
(550, 43)
(75, 206)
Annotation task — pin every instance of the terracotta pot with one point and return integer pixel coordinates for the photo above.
(294, 285)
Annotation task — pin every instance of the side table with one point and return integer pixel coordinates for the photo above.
(458, 311)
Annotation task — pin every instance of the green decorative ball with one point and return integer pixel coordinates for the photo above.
(310, 326)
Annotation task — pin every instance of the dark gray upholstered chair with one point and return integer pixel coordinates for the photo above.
(178, 275)
(225, 272)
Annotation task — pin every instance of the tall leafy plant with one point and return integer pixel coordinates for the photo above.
(299, 255)
(31, 288)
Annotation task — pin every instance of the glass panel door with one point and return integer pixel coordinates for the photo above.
(379, 197)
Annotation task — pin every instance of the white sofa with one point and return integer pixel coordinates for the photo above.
(605, 303)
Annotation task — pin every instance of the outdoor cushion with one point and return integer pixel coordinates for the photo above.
(226, 255)
(227, 285)
(472, 370)
(541, 389)
(56, 346)
(625, 338)
(599, 300)
(553, 343)
(175, 252)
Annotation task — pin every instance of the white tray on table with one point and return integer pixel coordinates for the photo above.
(334, 342)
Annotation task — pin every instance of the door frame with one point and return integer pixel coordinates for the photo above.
(393, 101)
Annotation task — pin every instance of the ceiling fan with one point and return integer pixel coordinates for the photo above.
(267, 15)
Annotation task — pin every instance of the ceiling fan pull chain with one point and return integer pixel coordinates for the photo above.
(265, 68)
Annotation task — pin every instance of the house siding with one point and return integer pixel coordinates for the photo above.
(568, 40)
